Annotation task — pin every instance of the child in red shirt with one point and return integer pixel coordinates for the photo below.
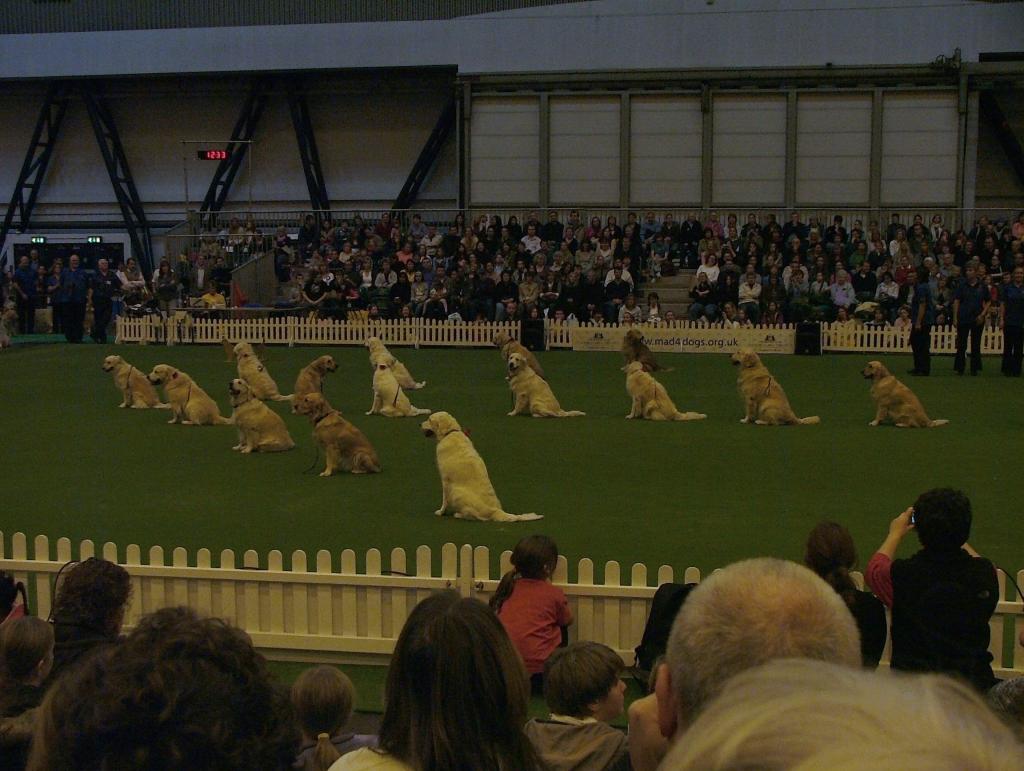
(531, 609)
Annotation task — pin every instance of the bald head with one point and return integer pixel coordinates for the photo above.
(744, 615)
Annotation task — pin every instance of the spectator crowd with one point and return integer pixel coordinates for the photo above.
(765, 664)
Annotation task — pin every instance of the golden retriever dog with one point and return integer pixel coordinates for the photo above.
(634, 349)
(136, 390)
(466, 488)
(190, 404)
(252, 371)
(894, 402)
(509, 345)
(650, 399)
(260, 429)
(389, 399)
(765, 401)
(347, 447)
(533, 396)
(380, 354)
(311, 377)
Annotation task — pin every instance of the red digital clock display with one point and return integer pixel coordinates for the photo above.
(213, 155)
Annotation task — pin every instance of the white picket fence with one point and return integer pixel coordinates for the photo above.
(847, 337)
(327, 609)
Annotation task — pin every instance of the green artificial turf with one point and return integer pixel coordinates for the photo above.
(683, 494)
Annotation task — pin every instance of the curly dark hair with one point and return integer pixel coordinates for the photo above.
(943, 519)
(180, 692)
(93, 593)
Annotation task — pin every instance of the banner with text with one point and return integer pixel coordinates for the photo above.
(694, 340)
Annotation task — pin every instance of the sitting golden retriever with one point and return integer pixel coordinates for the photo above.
(634, 349)
(260, 429)
(895, 402)
(650, 399)
(509, 345)
(252, 371)
(533, 396)
(765, 401)
(311, 377)
(389, 399)
(136, 390)
(466, 488)
(380, 354)
(190, 404)
(347, 447)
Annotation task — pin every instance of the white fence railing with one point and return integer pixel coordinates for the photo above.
(848, 337)
(327, 608)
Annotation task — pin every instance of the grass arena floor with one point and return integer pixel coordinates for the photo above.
(703, 493)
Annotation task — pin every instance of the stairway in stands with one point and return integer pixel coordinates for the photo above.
(673, 292)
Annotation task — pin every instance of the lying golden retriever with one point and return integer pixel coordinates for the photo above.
(895, 402)
(252, 371)
(190, 404)
(650, 399)
(389, 399)
(311, 377)
(509, 345)
(533, 396)
(260, 429)
(136, 390)
(347, 447)
(380, 354)
(765, 401)
(634, 349)
(466, 488)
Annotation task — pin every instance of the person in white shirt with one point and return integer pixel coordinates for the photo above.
(710, 268)
(626, 275)
(531, 240)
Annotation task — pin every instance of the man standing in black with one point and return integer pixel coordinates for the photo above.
(943, 597)
(102, 288)
(970, 306)
(1012, 321)
(75, 286)
(922, 312)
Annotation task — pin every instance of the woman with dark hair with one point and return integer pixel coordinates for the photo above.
(456, 695)
(831, 554)
(88, 610)
(26, 655)
(10, 590)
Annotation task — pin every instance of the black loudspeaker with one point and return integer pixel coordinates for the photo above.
(808, 338)
(532, 334)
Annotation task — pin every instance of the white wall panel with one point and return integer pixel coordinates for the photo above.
(584, 150)
(919, 147)
(749, 149)
(665, 149)
(833, 149)
(504, 149)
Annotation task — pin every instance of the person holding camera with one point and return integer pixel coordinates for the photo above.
(943, 597)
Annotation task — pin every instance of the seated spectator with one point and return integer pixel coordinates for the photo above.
(212, 298)
(750, 295)
(831, 554)
(452, 652)
(179, 692)
(878, 320)
(26, 656)
(88, 610)
(653, 308)
(709, 268)
(529, 291)
(903, 324)
(841, 293)
(728, 289)
(323, 698)
(803, 714)
(583, 692)
(531, 609)
(1006, 699)
(865, 283)
(615, 293)
(704, 300)
(744, 615)
(941, 598)
(730, 316)
(630, 312)
(772, 315)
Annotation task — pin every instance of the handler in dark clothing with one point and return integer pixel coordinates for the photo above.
(922, 313)
(970, 306)
(943, 597)
(75, 288)
(1012, 321)
(102, 288)
(24, 284)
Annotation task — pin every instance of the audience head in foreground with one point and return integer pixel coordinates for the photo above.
(323, 698)
(178, 692)
(741, 616)
(801, 715)
(456, 694)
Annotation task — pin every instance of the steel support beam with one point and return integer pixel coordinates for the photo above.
(996, 118)
(428, 155)
(241, 137)
(109, 141)
(310, 156)
(37, 160)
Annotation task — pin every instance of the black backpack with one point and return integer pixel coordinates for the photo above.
(668, 599)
